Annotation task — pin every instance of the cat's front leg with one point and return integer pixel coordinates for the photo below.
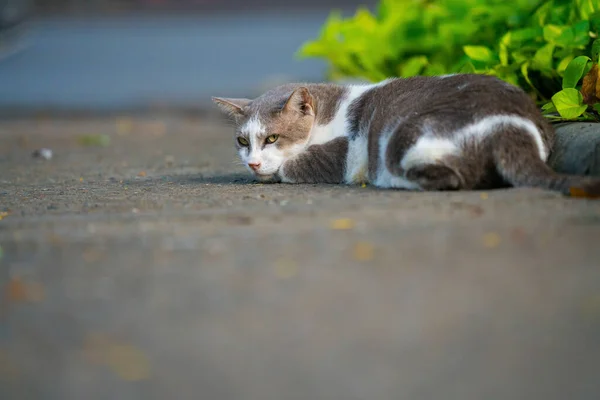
(319, 163)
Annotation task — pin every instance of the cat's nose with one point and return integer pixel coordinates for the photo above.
(255, 166)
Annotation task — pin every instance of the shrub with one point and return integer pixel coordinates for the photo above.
(549, 47)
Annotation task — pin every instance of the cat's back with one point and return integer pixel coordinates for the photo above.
(453, 94)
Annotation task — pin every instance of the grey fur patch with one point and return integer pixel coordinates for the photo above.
(320, 163)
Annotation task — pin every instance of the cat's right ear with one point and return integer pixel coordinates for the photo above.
(232, 107)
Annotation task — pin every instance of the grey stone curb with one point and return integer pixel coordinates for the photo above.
(577, 149)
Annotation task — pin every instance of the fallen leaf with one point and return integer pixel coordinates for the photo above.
(342, 224)
(142, 173)
(128, 362)
(16, 291)
(3, 214)
(94, 140)
(91, 255)
(581, 193)
(124, 126)
(491, 240)
(518, 234)
(80, 179)
(20, 291)
(363, 251)
(483, 196)
(590, 86)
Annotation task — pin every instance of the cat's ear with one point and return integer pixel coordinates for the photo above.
(300, 101)
(232, 107)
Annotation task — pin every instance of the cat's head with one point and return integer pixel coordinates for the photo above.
(271, 128)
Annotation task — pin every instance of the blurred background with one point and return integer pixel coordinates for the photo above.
(103, 55)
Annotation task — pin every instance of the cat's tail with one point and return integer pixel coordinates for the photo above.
(534, 172)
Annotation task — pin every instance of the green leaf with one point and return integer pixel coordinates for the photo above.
(434, 70)
(574, 72)
(569, 103)
(562, 65)
(581, 31)
(561, 36)
(595, 50)
(480, 53)
(525, 72)
(587, 8)
(548, 107)
(413, 66)
(542, 60)
(553, 32)
(467, 68)
(519, 36)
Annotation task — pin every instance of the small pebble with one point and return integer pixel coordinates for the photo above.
(44, 153)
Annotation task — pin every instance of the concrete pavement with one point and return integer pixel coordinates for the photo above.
(154, 268)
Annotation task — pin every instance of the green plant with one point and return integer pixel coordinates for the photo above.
(546, 47)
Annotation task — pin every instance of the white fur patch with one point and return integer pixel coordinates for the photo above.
(339, 126)
(489, 125)
(253, 127)
(357, 160)
(429, 149)
(385, 179)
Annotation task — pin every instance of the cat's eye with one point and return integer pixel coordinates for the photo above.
(242, 141)
(272, 139)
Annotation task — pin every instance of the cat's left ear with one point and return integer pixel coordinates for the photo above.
(232, 107)
(300, 101)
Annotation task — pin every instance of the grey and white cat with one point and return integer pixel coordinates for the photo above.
(423, 133)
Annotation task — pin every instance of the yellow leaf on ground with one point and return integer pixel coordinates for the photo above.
(483, 196)
(363, 251)
(128, 362)
(124, 126)
(491, 240)
(342, 224)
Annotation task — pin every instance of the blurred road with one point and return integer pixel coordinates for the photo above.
(116, 63)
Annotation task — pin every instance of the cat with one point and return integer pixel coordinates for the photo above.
(453, 132)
